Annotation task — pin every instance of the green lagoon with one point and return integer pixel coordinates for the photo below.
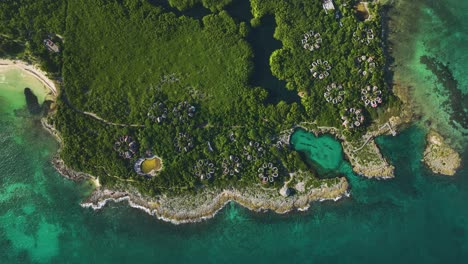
(418, 217)
(325, 151)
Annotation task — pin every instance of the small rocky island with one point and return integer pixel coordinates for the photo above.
(439, 156)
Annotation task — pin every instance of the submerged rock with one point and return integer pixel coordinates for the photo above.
(440, 157)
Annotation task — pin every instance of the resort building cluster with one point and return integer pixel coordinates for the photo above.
(319, 69)
(363, 35)
(371, 96)
(204, 169)
(311, 40)
(253, 151)
(231, 165)
(183, 142)
(352, 118)
(158, 112)
(126, 147)
(267, 172)
(365, 64)
(334, 93)
(183, 111)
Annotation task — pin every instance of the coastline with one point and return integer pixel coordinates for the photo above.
(191, 208)
(180, 209)
(364, 155)
(441, 153)
(374, 165)
(32, 70)
(239, 63)
(206, 204)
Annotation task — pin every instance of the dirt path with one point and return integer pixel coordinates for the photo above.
(95, 116)
(363, 145)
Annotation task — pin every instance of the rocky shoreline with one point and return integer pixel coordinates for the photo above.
(439, 156)
(183, 209)
(364, 154)
(371, 164)
(205, 204)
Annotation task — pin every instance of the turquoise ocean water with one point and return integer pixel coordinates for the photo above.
(418, 217)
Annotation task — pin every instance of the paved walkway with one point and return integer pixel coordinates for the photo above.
(363, 145)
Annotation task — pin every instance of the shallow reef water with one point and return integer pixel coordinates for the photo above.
(428, 40)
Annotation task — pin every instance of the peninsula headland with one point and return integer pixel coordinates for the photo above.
(181, 114)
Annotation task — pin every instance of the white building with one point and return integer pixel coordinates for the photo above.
(51, 45)
(328, 5)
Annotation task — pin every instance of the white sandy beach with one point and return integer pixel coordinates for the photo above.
(32, 70)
